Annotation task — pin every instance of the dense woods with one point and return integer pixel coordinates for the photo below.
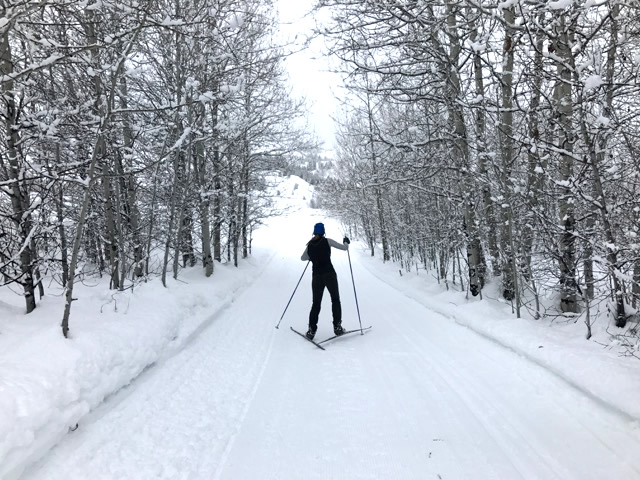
(497, 142)
(486, 143)
(134, 135)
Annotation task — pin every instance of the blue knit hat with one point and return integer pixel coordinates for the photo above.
(318, 229)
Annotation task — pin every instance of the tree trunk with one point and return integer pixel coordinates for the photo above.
(172, 214)
(506, 238)
(245, 214)
(636, 282)
(377, 191)
(456, 120)
(217, 196)
(63, 237)
(36, 269)
(122, 253)
(19, 190)
(535, 165)
(152, 215)
(131, 200)
(79, 228)
(483, 158)
(200, 163)
(564, 111)
(112, 244)
(233, 224)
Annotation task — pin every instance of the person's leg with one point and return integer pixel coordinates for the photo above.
(336, 308)
(317, 289)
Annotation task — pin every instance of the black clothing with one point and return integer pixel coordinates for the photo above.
(319, 252)
(318, 283)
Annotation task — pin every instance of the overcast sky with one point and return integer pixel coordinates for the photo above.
(309, 70)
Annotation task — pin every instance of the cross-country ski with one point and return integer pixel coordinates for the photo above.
(307, 338)
(346, 332)
(319, 344)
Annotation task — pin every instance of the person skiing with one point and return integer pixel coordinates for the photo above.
(318, 251)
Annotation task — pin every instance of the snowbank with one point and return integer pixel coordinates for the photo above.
(599, 372)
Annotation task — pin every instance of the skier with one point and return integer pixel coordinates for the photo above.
(319, 252)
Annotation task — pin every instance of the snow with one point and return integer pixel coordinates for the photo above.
(170, 22)
(507, 4)
(207, 97)
(478, 47)
(48, 383)
(599, 373)
(183, 137)
(233, 88)
(593, 3)
(602, 121)
(560, 4)
(236, 21)
(592, 82)
(95, 6)
(194, 381)
(51, 59)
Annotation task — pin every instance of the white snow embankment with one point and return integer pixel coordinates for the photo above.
(600, 373)
(49, 383)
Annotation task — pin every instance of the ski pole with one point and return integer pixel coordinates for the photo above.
(354, 292)
(294, 292)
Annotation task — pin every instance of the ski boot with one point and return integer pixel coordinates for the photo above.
(310, 334)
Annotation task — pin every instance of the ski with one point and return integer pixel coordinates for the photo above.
(345, 333)
(305, 337)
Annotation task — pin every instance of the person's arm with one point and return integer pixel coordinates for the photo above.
(337, 245)
(305, 255)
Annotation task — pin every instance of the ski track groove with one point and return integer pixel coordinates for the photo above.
(245, 410)
(602, 403)
(470, 401)
(567, 411)
(465, 396)
(474, 396)
(468, 395)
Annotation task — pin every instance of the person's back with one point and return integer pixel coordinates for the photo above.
(318, 252)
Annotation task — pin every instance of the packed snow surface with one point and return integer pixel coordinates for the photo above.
(419, 396)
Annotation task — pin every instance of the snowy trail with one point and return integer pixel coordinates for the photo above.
(418, 397)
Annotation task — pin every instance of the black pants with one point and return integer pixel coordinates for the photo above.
(318, 283)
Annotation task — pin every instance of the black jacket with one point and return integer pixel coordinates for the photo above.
(319, 252)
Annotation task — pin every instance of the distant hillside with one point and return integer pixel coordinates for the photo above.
(311, 168)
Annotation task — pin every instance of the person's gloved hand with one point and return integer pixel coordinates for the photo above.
(346, 240)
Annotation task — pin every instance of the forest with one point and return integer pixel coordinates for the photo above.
(135, 136)
(483, 142)
(496, 142)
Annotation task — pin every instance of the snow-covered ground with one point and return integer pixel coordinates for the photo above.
(422, 395)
